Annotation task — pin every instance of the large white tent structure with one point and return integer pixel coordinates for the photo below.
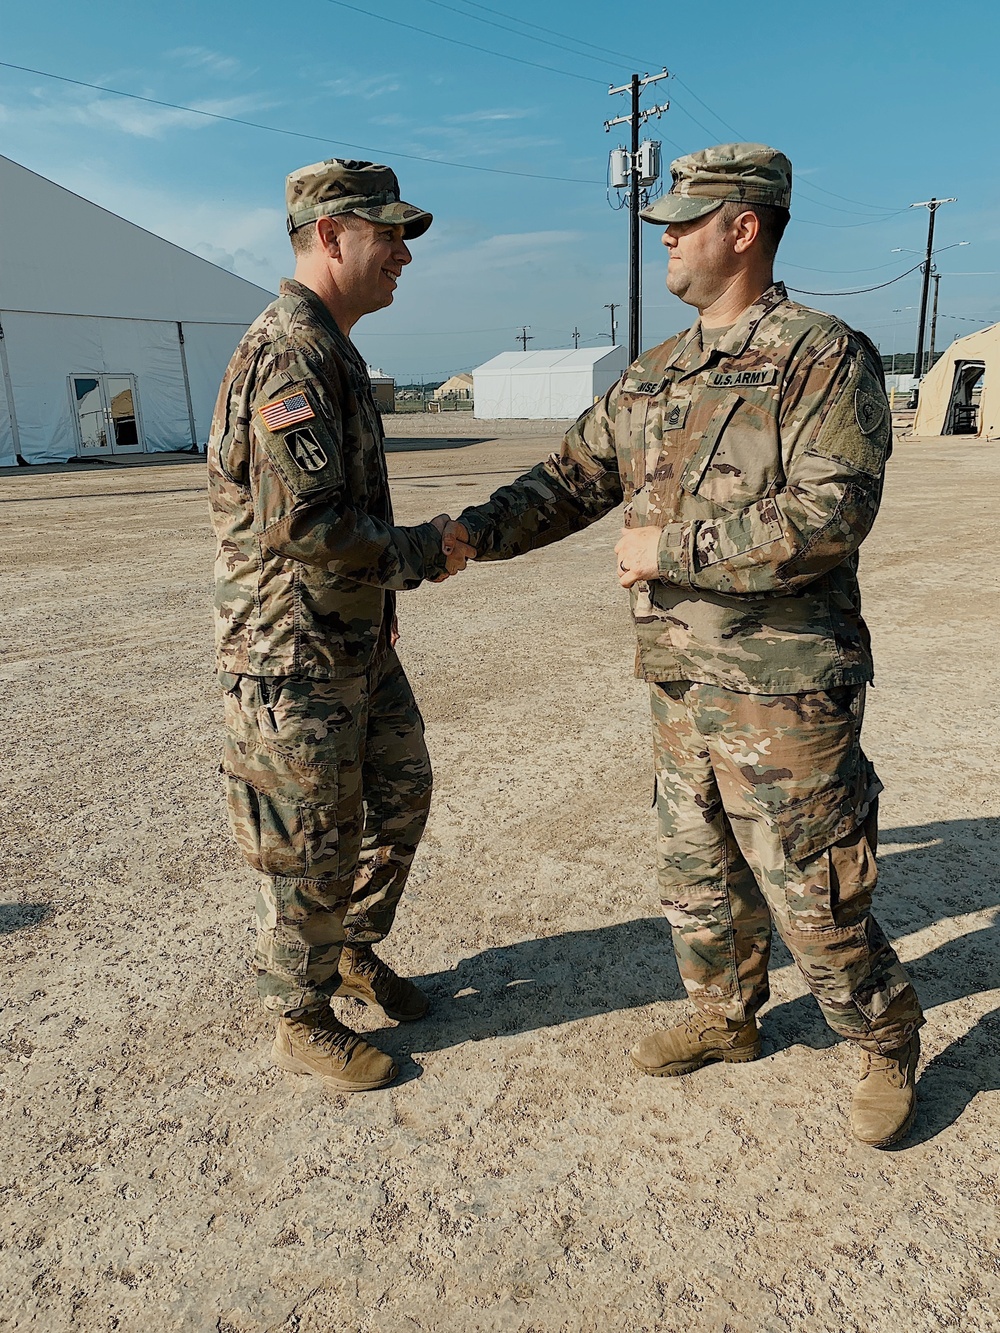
(960, 394)
(113, 340)
(539, 385)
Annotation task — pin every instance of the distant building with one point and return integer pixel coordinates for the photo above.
(554, 384)
(459, 387)
(114, 341)
(384, 389)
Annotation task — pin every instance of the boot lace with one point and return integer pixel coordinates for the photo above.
(331, 1036)
(384, 981)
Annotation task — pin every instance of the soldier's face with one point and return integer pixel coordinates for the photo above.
(701, 260)
(372, 256)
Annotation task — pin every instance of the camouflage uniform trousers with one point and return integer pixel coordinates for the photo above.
(767, 811)
(328, 788)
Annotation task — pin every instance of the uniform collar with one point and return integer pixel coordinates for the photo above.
(690, 355)
(298, 290)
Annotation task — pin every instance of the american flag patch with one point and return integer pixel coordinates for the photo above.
(286, 411)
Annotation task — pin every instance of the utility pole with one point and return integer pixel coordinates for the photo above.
(634, 119)
(937, 286)
(614, 327)
(576, 337)
(524, 337)
(932, 205)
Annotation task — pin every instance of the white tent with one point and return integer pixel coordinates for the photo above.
(113, 340)
(960, 394)
(536, 385)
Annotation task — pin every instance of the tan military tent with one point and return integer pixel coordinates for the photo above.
(960, 394)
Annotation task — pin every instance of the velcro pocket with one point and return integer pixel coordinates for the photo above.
(858, 429)
(294, 426)
(695, 470)
(810, 825)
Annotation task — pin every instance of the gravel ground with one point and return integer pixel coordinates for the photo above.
(158, 1174)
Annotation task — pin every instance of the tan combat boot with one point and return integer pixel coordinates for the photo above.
(885, 1099)
(316, 1043)
(693, 1043)
(365, 977)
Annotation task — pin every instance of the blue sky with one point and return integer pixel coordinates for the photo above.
(878, 104)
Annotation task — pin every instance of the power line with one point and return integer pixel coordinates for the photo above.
(601, 59)
(632, 60)
(847, 226)
(800, 184)
(799, 291)
(806, 269)
(294, 134)
(469, 46)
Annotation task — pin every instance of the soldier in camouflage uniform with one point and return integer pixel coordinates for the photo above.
(327, 775)
(749, 453)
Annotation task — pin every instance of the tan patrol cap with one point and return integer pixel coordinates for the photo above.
(750, 173)
(340, 185)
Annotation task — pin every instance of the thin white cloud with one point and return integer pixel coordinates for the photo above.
(199, 57)
(474, 117)
(138, 119)
(375, 85)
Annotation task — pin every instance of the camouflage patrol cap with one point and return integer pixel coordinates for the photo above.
(340, 185)
(750, 173)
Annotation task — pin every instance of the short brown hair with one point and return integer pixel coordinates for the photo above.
(304, 238)
(773, 221)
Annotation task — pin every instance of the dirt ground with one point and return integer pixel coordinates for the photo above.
(157, 1174)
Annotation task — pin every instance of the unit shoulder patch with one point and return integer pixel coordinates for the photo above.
(744, 379)
(869, 410)
(306, 451)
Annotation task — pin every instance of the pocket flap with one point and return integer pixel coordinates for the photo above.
(695, 470)
(815, 822)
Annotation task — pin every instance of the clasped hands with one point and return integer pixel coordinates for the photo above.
(455, 546)
(636, 551)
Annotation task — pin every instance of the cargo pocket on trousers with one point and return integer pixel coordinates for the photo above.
(829, 870)
(268, 830)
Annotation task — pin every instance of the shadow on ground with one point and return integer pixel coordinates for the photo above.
(404, 444)
(957, 866)
(113, 464)
(543, 983)
(22, 916)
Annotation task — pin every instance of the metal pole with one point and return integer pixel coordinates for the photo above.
(918, 359)
(937, 285)
(634, 298)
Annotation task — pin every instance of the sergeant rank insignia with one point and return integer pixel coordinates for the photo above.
(284, 412)
(675, 417)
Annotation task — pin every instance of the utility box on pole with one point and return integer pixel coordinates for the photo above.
(619, 169)
(635, 171)
(649, 162)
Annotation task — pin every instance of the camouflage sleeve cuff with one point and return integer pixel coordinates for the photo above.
(673, 555)
(429, 541)
(475, 524)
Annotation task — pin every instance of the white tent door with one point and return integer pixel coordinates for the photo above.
(107, 415)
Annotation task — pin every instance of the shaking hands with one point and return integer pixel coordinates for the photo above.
(455, 546)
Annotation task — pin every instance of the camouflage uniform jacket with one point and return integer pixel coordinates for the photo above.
(307, 550)
(761, 459)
